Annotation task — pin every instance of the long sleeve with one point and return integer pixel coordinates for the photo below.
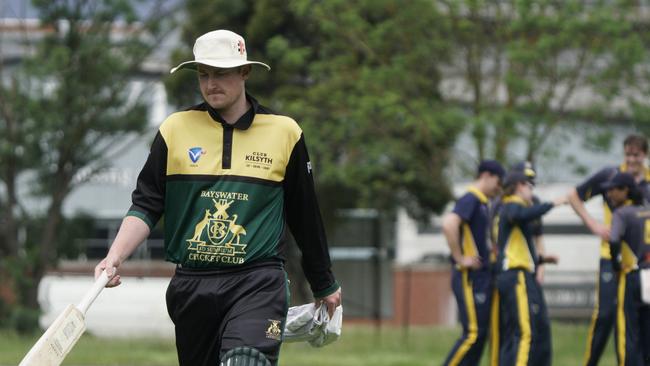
(305, 222)
(593, 185)
(518, 213)
(148, 198)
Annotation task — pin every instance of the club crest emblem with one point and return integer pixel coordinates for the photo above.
(274, 331)
(607, 276)
(217, 236)
(534, 308)
(195, 153)
(241, 47)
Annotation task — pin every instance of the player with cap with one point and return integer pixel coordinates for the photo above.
(536, 226)
(466, 231)
(630, 256)
(229, 175)
(525, 337)
(536, 231)
(635, 148)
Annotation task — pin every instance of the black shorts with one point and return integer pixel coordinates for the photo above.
(216, 310)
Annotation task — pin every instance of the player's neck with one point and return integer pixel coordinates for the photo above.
(481, 185)
(234, 112)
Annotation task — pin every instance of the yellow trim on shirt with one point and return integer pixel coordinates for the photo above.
(480, 195)
(524, 321)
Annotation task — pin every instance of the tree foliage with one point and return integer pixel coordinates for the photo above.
(533, 68)
(363, 80)
(66, 107)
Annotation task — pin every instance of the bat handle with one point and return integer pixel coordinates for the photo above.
(94, 291)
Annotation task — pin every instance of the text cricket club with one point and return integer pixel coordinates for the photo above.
(217, 236)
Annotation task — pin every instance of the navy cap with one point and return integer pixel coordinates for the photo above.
(620, 180)
(527, 168)
(493, 167)
(514, 177)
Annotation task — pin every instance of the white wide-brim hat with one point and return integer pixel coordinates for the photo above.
(220, 48)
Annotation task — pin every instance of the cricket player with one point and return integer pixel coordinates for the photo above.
(525, 337)
(536, 229)
(466, 231)
(230, 176)
(630, 251)
(635, 148)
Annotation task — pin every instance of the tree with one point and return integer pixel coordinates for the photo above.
(362, 78)
(532, 68)
(66, 108)
(373, 102)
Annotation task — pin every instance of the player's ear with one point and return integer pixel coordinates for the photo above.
(245, 71)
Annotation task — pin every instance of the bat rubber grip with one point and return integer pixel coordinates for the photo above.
(94, 291)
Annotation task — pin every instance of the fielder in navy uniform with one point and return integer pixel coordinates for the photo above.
(525, 337)
(630, 250)
(466, 231)
(230, 176)
(536, 230)
(635, 148)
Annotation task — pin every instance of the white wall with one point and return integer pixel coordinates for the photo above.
(136, 308)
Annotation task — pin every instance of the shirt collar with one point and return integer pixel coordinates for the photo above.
(480, 195)
(514, 199)
(646, 171)
(244, 122)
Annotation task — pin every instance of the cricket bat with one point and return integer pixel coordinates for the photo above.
(61, 336)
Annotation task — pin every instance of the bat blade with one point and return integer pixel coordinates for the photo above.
(58, 339)
(61, 336)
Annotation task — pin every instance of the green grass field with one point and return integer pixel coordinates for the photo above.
(359, 345)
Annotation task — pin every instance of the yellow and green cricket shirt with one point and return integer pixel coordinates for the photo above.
(228, 191)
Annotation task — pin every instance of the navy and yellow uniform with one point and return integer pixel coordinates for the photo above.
(630, 236)
(472, 288)
(536, 228)
(603, 316)
(227, 192)
(525, 337)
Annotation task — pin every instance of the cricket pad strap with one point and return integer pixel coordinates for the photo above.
(244, 356)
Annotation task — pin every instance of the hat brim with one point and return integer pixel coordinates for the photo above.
(223, 64)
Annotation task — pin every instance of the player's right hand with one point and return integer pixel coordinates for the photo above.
(111, 265)
(559, 201)
(470, 262)
(600, 230)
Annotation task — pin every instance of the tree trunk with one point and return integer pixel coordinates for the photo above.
(9, 236)
(47, 253)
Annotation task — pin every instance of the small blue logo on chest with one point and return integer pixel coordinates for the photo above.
(195, 153)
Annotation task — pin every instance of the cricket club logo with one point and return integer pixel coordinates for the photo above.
(195, 153)
(241, 47)
(274, 331)
(223, 235)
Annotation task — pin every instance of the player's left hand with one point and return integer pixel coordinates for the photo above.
(331, 301)
(551, 259)
(539, 274)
